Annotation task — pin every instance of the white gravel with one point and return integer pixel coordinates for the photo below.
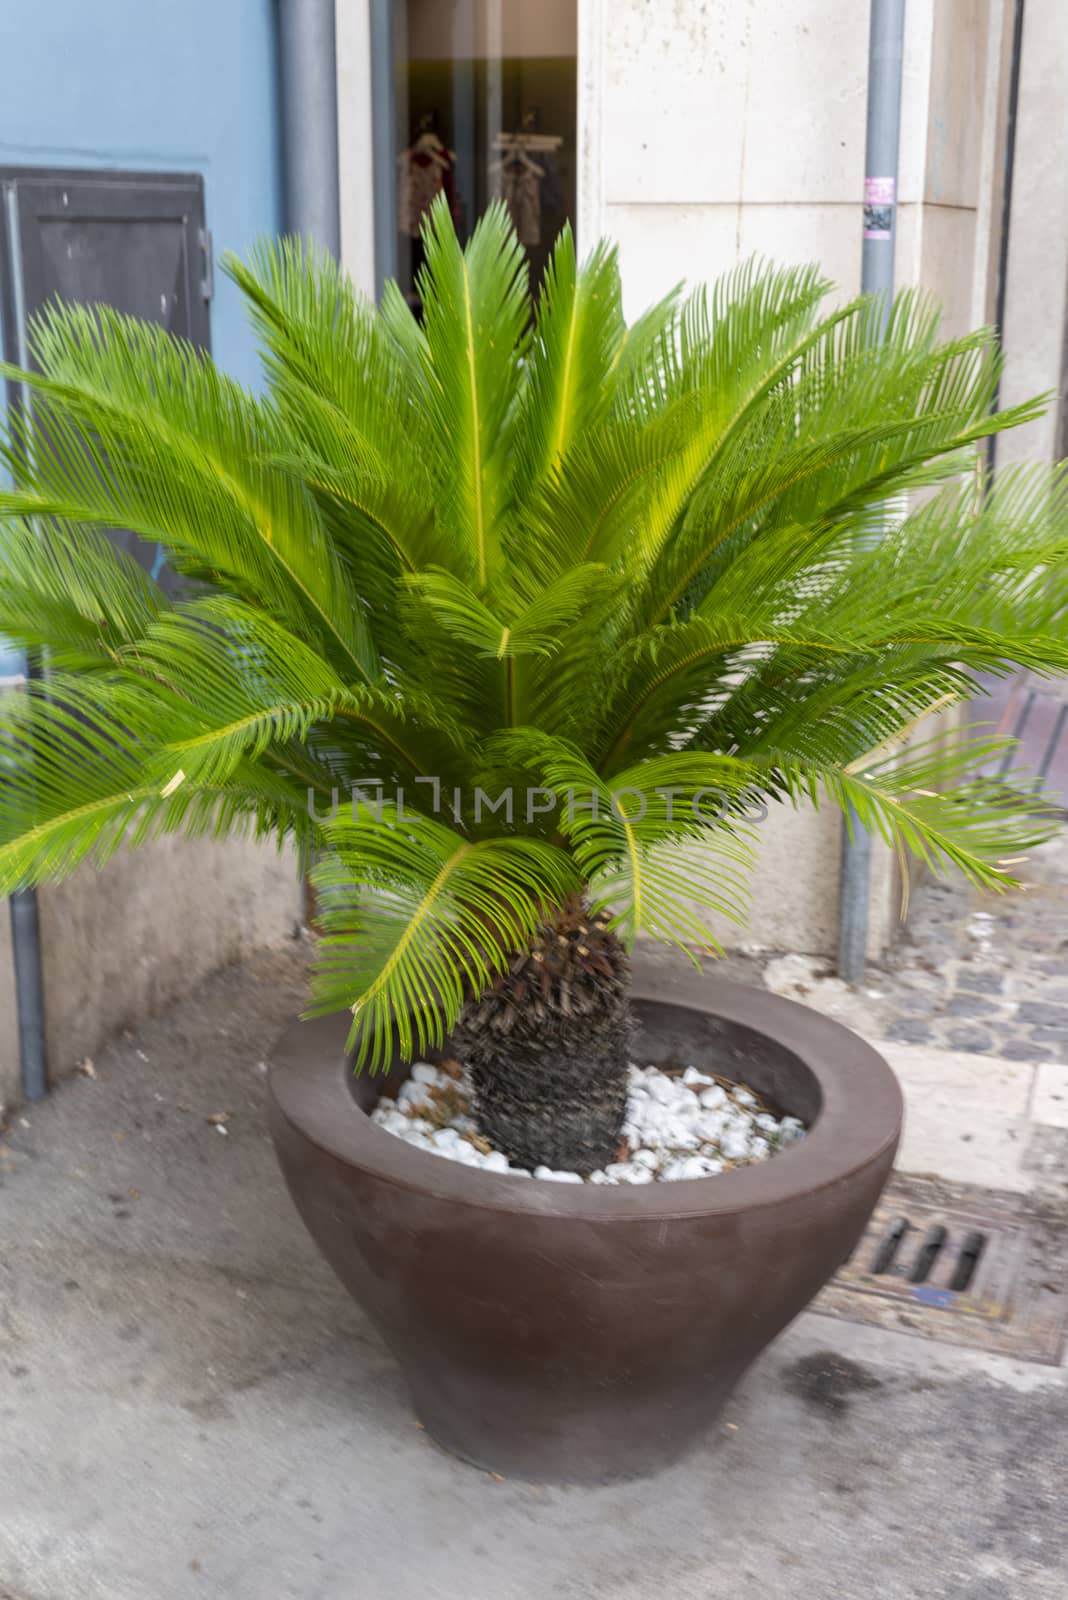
(691, 1125)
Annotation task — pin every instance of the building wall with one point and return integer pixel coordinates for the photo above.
(190, 88)
(711, 133)
(1036, 306)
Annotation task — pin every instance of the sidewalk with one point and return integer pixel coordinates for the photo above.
(193, 1408)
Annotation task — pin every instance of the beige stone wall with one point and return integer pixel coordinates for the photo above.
(712, 133)
(1037, 279)
(718, 132)
(794, 903)
(122, 943)
(119, 944)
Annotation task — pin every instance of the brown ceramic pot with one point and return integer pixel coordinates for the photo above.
(564, 1333)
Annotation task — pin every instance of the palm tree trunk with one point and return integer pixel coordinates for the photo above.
(548, 1047)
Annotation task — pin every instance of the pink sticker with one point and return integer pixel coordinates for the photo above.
(879, 191)
(879, 208)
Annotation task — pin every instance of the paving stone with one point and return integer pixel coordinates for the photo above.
(1041, 1014)
(1045, 1159)
(965, 1118)
(916, 1004)
(1024, 1050)
(970, 1005)
(1053, 1036)
(964, 1038)
(913, 1030)
(980, 980)
(1004, 994)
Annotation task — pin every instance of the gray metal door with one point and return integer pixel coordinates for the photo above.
(133, 240)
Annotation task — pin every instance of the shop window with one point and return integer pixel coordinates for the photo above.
(483, 106)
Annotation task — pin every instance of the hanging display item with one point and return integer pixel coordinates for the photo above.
(474, 84)
(426, 168)
(519, 180)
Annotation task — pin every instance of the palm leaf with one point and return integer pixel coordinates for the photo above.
(476, 307)
(78, 781)
(447, 914)
(69, 591)
(134, 430)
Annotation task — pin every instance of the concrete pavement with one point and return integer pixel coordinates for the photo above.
(190, 1407)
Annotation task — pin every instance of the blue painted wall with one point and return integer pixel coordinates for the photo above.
(165, 85)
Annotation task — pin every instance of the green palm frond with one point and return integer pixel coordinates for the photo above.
(67, 589)
(975, 823)
(653, 575)
(475, 306)
(447, 915)
(532, 629)
(574, 355)
(623, 831)
(132, 429)
(80, 765)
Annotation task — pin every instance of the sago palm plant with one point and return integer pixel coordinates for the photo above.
(634, 579)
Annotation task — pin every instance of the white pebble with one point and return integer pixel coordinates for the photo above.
(391, 1121)
(711, 1125)
(690, 1167)
(420, 1141)
(734, 1144)
(676, 1127)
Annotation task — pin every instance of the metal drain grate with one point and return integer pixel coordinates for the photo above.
(967, 1268)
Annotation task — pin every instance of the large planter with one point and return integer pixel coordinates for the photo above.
(556, 1332)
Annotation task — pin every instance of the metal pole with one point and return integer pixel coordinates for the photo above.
(29, 991)
(308, 69)
(885, 49)
(384, 138)
(1001, 291)
(25, 919)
